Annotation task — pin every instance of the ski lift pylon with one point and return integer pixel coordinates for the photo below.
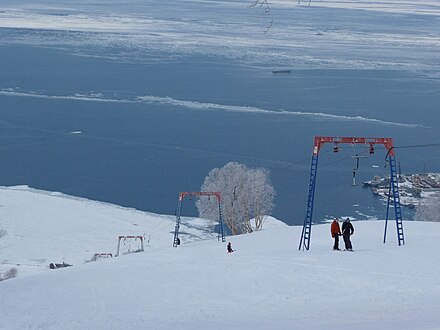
(319, 141)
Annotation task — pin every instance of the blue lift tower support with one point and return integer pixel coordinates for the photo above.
(393, 190)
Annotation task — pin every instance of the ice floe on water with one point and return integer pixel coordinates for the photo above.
(204, 106)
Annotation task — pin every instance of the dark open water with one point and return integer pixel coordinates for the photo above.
(141, 154)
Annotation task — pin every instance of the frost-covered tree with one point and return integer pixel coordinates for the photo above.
(246, 194)
(430, 211)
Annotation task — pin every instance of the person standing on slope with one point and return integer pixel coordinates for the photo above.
(229, 248)
(335, 230)
(347, 231)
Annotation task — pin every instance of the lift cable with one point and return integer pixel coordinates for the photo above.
(413, 146)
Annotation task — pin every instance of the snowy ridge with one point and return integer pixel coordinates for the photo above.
(266, 284)
(204, 106)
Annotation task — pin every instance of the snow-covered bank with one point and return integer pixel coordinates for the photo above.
(266, 284)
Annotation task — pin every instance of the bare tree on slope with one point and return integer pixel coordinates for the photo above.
(246, 194)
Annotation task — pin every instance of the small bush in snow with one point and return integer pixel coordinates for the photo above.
(11, 273)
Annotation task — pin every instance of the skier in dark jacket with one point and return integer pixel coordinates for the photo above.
(229, 248)
(347, 231)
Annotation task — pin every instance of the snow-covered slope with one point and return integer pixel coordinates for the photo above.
(49, 227)
(266, 284)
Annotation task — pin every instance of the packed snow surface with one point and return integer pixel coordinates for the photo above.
(266, 284)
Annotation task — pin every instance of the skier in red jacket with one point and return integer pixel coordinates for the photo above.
(336, 232)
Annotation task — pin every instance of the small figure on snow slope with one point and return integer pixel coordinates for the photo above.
(347, 231)
(336, 232)
(229, 248)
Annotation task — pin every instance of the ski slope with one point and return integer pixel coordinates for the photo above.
(266, 284)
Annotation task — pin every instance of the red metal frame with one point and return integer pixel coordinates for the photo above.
(182, 195)
(199, 193)
(131, 236)
(320, 140)
(120, 237)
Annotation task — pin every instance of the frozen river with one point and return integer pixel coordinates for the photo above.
(133, 103)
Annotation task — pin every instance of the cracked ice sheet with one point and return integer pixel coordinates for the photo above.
(337, 34)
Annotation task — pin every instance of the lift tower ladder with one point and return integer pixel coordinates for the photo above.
(176, 240)
(394, 191)
(221, 234)
(307, 228)
(319, 141)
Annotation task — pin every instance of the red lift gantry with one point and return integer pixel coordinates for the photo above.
(182, 195)
(319, 141)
